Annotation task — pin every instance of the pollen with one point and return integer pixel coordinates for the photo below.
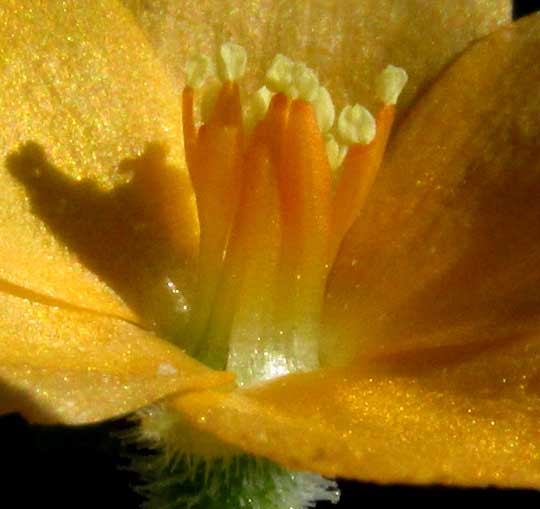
(257, 106)
(198, 69)
(390, 83)
(324, 109)
(278, 182)
(356, 125)
(232, 62)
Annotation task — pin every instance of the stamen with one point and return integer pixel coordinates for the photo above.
(249, 291)
(324, 109)
(335, 152)
(263, 96)
(228, 108)
(231, 62)
(198, 70)
(356, 125)
(207, 99)
(304, 178)
(217, 179)
(214, 155)
(360, 168)
(305, 183)
(273, 126)
(305, 84)
(279, 75)
(390, 83)
(258, 106)
(300, 181)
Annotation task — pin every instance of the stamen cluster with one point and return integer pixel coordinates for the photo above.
(272, 211)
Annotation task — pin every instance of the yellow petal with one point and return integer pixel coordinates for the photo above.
(463, 416)
(71, 366)
(348, 41)
(81, 92)
(448, 250)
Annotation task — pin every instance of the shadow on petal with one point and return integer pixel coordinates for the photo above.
(115, 233)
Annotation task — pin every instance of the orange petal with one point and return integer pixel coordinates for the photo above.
(448, 249)
(75, 103)
(348, 41)
(71, 366)
(458, 416)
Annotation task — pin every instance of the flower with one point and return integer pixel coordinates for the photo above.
(431, 312)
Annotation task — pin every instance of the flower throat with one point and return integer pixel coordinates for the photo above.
(278, 184)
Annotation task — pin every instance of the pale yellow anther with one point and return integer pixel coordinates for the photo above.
(261, 101)
(279, 75)
(324, 109)
(198, 70)
(294, 79)
(257, 106)
(232, 62)
(356, 125)
(335, 152)
(390, 83)
(305, 83)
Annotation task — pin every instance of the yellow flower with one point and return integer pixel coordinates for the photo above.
(429, 352)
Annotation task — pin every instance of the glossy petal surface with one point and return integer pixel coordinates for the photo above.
(65, 365)
(348, 42)
(448, 250)
(461, 417)
(81, 92)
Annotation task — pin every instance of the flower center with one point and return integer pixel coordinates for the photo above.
(278, 184)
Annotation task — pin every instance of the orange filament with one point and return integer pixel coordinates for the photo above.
(247, 292)
(360, 168)
(215, 166)
(305, 183)
(228, 109)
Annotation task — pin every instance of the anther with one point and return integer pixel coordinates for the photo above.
(231, 62)
(279, 75)
(356, 125)
(259, 104)
(335, 152)
(305, 83)
(390, 83)
(324, 109)
(198, 69)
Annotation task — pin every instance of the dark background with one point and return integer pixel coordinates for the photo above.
(82, 467)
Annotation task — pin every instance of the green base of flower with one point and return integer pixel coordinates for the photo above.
(240, 482)
(190, 469)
